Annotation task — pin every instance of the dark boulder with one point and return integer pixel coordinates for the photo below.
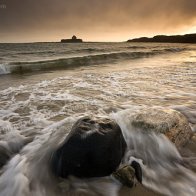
(93, 148)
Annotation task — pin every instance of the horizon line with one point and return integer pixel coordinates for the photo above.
(31, 42)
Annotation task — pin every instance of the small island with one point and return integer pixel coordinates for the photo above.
(188, 38)
(74, 39)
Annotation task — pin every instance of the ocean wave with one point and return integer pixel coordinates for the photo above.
(63, 63)
(90, 50)
(94, 59)
(175, 49)
(35, 52)
(170, 50)
(136, 47)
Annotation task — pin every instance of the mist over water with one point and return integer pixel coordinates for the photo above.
(38, 109)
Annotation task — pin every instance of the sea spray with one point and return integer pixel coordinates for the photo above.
(28, 173)
(4, 69)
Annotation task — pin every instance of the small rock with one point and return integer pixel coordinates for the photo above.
(125, 176)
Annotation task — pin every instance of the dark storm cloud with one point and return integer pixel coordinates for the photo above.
(85, 16)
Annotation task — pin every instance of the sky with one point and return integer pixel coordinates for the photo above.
(94, 20)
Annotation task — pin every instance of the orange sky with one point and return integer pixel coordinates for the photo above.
(94, 20)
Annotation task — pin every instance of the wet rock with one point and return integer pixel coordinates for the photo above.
(93, 148)
(128, 174)
(169, 122)
(125, 175)
(193, 138)
(191, 145)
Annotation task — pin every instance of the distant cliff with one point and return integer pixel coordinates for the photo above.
(188, 38)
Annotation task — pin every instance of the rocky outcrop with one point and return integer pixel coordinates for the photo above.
(188, 38)
(93, 148)
(169, 122)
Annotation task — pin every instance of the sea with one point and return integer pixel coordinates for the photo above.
(46, 87)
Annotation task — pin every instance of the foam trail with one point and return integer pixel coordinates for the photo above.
(162, 164)
(28, 172)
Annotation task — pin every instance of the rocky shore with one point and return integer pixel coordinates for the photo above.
(188, 38)
(94, 142)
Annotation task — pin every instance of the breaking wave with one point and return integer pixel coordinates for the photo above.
(94, 59)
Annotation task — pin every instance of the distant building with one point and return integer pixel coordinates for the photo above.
(74, 39)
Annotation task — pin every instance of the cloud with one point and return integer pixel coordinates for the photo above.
(93, 18)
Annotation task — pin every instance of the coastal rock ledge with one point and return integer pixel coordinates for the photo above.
(169, 122)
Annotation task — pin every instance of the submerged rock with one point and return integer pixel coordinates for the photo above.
(169, 122)
(93, 148)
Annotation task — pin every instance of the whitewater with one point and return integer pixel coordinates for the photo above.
(46, 87)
